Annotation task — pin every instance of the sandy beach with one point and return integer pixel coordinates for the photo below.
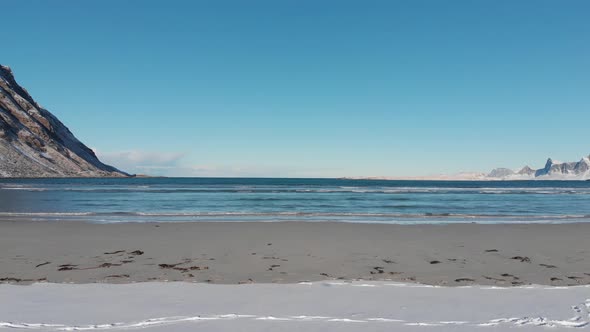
(292, 252)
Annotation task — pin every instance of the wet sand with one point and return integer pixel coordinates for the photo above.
(291, 252)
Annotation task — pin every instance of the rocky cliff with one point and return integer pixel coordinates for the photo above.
(34, 143)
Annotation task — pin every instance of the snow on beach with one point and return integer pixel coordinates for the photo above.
(321, 306)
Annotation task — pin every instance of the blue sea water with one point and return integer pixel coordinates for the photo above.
(317, 200)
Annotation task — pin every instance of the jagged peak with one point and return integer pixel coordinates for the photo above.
(7, 74)
(549, 163)
(554, 170)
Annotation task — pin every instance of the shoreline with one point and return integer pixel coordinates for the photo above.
(291, 252)
(426, 179)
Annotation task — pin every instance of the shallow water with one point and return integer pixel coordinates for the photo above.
(249, 199)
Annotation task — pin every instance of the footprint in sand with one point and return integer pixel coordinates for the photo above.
(523, 259)
(378, 270)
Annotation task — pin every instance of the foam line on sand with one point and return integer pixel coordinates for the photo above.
(322, 305)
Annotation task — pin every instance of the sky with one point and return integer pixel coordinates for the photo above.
(309, 88)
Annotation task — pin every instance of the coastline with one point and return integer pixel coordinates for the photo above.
(291, 252)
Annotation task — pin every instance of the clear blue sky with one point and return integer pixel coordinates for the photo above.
(310, 88)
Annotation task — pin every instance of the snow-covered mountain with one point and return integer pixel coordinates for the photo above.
(34, 143)
(553, 170)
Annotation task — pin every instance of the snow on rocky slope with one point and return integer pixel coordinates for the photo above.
(34, 143)
(576, 170)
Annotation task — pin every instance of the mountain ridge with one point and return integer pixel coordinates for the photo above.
(35, 143)
(552, 170)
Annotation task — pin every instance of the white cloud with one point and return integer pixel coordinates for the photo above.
(159, 163)
(255, 171)
(141, 162)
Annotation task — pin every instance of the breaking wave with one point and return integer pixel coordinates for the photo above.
(193, 199)
(390, 218)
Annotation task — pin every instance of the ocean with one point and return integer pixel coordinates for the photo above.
(312, 200)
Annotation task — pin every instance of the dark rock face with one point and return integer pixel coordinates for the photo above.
(582, 166)
(34, 143)
(567, 168)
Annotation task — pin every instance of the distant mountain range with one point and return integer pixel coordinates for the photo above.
(34, 143)
(553, 170)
